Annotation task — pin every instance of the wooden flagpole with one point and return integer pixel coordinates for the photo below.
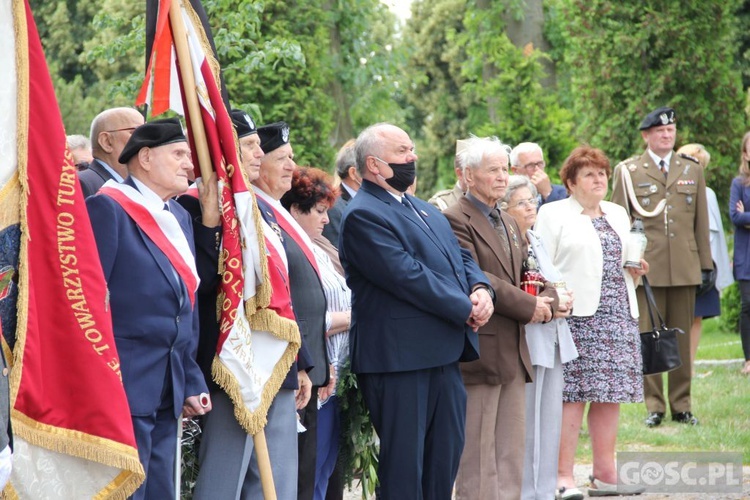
(204, 162)
(188, 84)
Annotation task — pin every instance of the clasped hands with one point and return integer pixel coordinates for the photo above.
(481, 309)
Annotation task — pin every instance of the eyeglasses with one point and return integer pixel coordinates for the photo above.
(531, 202)
(127, 129)
(534, 165)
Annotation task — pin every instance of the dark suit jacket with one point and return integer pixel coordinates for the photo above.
(558, 193)
(155, 325)
(502, 340)
(207, 244)
(93, 178)
(410, 285)
(309, 302)
(304, 358)
(332, 230)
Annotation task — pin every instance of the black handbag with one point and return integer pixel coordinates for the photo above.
(658, 346)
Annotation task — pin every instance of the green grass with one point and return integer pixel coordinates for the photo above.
(720, 399)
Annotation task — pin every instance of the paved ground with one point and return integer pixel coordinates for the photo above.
(582, 473)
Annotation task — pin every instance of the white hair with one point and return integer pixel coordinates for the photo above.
(524, 147)
(476, 148)
(515, 183)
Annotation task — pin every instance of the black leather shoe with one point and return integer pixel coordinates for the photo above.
(685, 417)
(654, 419)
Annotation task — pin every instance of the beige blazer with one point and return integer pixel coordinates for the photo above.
(574, 247)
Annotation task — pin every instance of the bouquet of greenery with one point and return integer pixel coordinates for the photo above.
(359, 445)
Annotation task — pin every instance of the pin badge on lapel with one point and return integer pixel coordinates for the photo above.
(514, 237)
(424, 214)
(277, 230)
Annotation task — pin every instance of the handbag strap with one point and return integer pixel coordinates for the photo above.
(651, 304)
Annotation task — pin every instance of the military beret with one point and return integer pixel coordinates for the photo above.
(273, 136)
(243, 123)
(658, 117)
(152, 134)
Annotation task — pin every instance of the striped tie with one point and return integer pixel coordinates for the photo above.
(663, 168)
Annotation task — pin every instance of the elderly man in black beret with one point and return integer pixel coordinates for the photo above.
(668, 191)
(226, 450)
(145, 243)
(308, 299)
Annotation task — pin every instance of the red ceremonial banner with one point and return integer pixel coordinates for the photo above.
(69, 410)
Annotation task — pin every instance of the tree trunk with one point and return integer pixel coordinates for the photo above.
(530, 29)
(344, 129)
(489, 72)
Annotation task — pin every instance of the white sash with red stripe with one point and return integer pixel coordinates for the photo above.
(292, 227)
(162, 228)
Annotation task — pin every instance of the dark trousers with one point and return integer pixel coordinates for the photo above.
(420, 417)
(745, 317)
(329, 429)
(307, 448)
(676, 304)
(156, 437)
(336, 484)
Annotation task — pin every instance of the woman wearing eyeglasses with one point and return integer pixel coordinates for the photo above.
(585, 236)
(550, 345)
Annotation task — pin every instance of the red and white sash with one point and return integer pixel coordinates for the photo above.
(292, 227)
(162, 228)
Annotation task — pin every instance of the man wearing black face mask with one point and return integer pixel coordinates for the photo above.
(417, 302)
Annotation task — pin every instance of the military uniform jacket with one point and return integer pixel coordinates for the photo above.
(678, 237)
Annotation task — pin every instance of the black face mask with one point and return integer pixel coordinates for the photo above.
(403, 175)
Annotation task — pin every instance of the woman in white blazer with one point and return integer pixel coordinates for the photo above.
(550, 345)
(585, 237)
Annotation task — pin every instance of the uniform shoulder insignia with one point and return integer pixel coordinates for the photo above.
(627, 163)
(441, 193)
(688, 157)
(627, 160)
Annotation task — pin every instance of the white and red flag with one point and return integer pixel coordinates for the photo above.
(73, 436)
(258, 341)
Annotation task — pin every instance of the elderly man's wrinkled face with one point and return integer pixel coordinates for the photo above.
(169, 169)
(276, 170)
(251, 155)
(488, 181)
(529, 162)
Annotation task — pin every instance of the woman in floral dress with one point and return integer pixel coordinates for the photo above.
(585, 236)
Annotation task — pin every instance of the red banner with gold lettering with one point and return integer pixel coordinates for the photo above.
(73, 436)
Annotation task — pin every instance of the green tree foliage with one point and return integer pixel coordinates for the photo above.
(466, 76)
(624, 59)
(68, 31)
(434, 83)
(328, 70)
(504, 86)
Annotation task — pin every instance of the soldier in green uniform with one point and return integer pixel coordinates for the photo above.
(668, 191)
(447, 197)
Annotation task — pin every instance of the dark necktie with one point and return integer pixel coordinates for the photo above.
(663, 168)
(408, 205)
(497, 223)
